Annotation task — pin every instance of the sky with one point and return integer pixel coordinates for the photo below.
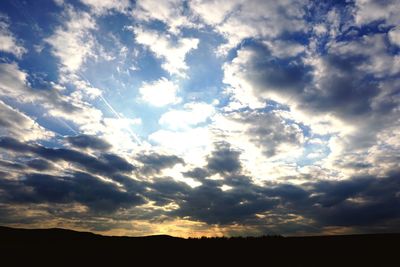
(200, 117)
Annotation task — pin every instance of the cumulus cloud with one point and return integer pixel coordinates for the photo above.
(191, 115)
(171, 12)
(368, 11)
(269, 131)
(8, 42)
(72, 43)
(172, 52)
(183, 142)
(159, 93)
(224, 159)
(238, 20)
(394, 36)
(101, 7)
(213, 12)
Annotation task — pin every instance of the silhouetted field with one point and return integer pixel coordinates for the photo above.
(58, 246)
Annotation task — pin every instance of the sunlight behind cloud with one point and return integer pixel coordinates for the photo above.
(159, 93)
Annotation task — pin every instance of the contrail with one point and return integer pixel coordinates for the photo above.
(120, 117)
(114, 111)
(66, 125)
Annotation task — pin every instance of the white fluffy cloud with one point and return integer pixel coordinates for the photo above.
(394, 36)
(213, 12)
(191, 144)
(239, 19)
(8, 42)
(168, 11)
(102, 6)
(191, 115)
(159, 93)
(172, 52)
(72, 43)
(13, 81)
(371, 10)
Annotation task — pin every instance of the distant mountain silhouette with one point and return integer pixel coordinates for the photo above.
(51, 245)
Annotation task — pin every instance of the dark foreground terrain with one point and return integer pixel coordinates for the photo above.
(66, 247)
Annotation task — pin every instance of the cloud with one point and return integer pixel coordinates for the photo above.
(256, 70)
(55, 102)
(269, 131)
(344, 86)
(213, 12)
(115, 131)
(302, 135)
(39, 164)
(164, 46)
(72, 43)
(13, 80)
(107, 164)
(224, 159)
(171, 12)
(191, 115)
(17, 124)
(87, 141)
(357, 202)
(368, 11)
(159, 93)
(259, 19)
(103, 6)
(83, 188)
(394, 36)
(208, 203)
(190, 144)
(8, 42)
(153, 163)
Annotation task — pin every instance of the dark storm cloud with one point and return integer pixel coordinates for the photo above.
(12, 144)
(78, 187)
(36, 164)
(210, 204)
(366, 201)
(39, 164)
(167, 190)
(360, 201)
(106, 164)
(356, 202)
(287, 192)
(224, 159)
(153, 163)
(11, 165)
(198, 173)
(88, 141)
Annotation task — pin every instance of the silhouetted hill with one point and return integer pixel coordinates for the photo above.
(343, 250)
